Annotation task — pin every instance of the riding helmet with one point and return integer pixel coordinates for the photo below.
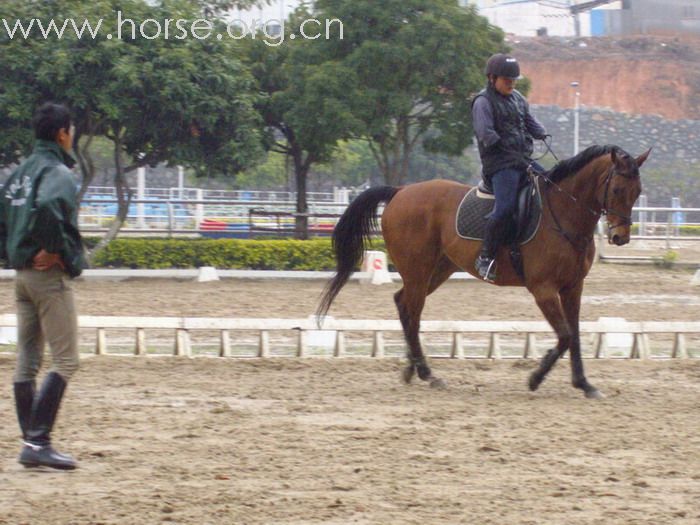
(502, 65)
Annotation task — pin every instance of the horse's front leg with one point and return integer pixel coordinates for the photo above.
(571, 302)
(549, 302)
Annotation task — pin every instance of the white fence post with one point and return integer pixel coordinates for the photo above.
(494, 347)
(679, 348)
(140, 195)
(378, 344)
(301, 347)
(530, 347)
(339, 350)
(199, 208)
(457, 349)
(640, 347)
(140, 348)
(101, 342)
(224, 344)
(642, 215)
(182, 343)
(601, 346)
(264, 344)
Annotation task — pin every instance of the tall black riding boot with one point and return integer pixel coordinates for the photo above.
(37, 449)
(485, 264)
(24, 398)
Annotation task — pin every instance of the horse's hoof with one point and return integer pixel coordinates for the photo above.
(595, 394)
(424, 372)
(438, 383)
(407, 374)
(534, 381)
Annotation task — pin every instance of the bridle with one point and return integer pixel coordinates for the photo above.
(605, 210)
(578, 241)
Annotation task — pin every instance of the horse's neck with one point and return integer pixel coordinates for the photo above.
(581, 210)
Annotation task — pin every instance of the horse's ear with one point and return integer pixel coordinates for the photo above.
(643, 157)
(616, 155)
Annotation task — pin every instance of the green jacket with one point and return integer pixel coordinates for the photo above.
(39, 209)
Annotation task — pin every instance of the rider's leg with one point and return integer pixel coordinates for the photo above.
(505, 188)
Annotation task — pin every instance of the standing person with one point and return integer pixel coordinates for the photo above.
(504, 129)
(39, 238)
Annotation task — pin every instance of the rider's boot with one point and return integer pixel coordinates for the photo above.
(37, 449)
(24, 399)
(485, 263)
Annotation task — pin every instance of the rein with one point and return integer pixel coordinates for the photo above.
(604, 210)
(578, 245)
(573, 240)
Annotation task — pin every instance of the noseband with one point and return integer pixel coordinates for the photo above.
(605, 210)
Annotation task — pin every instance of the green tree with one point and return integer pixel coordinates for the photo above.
(410, 69)
(181, 101)
(304, 106)
(352, 165)
(268, 175)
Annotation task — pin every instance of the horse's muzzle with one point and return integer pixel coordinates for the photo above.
(619, 240)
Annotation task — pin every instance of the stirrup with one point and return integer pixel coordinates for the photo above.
(486, 268)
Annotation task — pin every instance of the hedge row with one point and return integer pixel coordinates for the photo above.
(283, 254)
(278, 254)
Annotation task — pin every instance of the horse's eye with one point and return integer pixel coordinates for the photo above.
(617, 191)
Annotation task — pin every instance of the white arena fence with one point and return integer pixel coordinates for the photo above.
(600, 334)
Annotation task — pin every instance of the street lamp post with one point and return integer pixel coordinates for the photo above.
(577, 96)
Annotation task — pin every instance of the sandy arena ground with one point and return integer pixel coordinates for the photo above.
(321, 441)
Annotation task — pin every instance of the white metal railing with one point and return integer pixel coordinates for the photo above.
(183, 210)
(664, 223)
(208, 194)
(183, 326)
(189, 215)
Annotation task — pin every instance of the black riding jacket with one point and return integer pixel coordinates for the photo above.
(504, 129)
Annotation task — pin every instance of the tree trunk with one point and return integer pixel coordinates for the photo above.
(393, 153)
(301, 171)
(87, 166)
(124, 196)
(85, 161)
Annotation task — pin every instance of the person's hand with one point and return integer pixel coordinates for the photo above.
(45, 261)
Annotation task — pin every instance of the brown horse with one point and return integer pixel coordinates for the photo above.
(418, 225)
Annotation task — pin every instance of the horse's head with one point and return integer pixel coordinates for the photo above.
(622, 186)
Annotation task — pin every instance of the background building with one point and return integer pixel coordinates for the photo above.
(265, 14)
(660, 16)
(548, 17)
(591, 17)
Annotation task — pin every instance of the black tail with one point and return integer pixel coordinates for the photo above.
(351, 237)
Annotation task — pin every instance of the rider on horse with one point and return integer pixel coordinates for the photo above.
(504, 128)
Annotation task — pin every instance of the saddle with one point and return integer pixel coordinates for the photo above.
(478, 203)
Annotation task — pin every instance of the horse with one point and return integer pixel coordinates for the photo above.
(418, 226)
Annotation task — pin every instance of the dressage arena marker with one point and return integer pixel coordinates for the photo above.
(207, 274)
(374, 264)
(182, 326)
(696, 279)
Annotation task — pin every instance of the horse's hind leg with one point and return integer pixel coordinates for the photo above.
(410, 301)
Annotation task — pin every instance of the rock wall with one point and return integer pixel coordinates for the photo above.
(673, 168)
(673, 141)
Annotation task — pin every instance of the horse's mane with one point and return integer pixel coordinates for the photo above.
(565, 168)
